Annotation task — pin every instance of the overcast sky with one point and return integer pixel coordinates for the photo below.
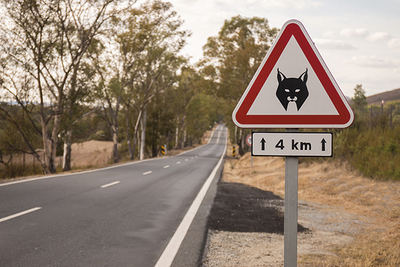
(359, 40)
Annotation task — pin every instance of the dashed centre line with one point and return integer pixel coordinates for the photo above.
(146, 173)
(186, 159)
(19, 214)
(110, 184)
(166, 166)
(178, 162)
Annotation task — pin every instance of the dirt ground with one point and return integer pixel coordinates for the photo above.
(352, 220)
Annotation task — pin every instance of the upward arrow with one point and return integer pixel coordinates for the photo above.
(263, 144)
(323, 142)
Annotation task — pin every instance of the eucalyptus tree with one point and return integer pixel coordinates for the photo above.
(188, 85)
(42, 45)
(149, 39)
(232, 57)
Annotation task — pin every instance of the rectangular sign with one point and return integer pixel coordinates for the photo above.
(292, 144)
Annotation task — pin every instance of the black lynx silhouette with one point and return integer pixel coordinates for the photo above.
(292, 89)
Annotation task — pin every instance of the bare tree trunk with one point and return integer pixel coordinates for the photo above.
(53, 142)
(128, 136)
(115, 143)
(46, 148)
(235, 135)
(183, 128)
(184, 140)
(136, 143)
(143, 135)
(66, 164)
(176, 136)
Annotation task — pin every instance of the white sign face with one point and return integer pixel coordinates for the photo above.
(292, 144)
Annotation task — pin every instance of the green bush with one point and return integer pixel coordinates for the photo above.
(374, 151)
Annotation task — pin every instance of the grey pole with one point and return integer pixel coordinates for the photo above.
(290, 219)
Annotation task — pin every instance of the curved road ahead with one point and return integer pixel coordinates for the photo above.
(118, 216)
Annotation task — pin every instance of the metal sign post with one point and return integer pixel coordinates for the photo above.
(291, 209)
(290, 217)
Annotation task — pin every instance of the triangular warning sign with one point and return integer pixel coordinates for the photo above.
(293, 88)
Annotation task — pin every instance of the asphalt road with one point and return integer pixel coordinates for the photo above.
(119, 216)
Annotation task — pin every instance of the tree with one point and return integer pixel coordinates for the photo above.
(188, 87)
(232, 58)
(149, 39)
(43, 44)
(359, 99)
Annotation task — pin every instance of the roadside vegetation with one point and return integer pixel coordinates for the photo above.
(107, 70)
(372, 143)
(74, 71)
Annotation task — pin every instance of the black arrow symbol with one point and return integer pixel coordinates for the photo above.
(323, 142)
(263, 144)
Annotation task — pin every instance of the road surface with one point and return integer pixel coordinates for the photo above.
(118, 216)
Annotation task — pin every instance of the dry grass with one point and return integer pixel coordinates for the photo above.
(337, 185)
(91, 154)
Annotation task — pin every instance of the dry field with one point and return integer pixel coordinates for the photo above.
(91, 154)
(354, 221)
(85, 155)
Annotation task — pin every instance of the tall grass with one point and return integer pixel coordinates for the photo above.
(17, 170)
(371, 145)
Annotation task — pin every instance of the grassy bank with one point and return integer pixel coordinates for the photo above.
(374, 151)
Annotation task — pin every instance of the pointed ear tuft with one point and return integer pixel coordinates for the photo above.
(305, 76)
(281, 76)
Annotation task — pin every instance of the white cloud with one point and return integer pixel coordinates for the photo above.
(334, 44)
(394, 43)
(374, 62)
(329, 35)
(378, 36)
(285, 4)
(298, 4)
(359, 32)
(365, 34)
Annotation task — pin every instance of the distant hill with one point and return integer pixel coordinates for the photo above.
(385, 96)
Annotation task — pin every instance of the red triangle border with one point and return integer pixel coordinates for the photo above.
(343, 119)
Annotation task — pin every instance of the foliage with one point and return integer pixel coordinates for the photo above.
(202, 112)
(232, 58)
(372, 143)
(43, 44)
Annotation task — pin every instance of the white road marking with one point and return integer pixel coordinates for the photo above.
(19, 214)
(146, 173)
(166, 166)
(110, 184)
(175, 242)
(186, 159)
(178, 162)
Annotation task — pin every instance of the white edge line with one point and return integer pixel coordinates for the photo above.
(89, 171)
(166, 166)
(146, 173)
(110, 184)
(19, 214)
(172, 248)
